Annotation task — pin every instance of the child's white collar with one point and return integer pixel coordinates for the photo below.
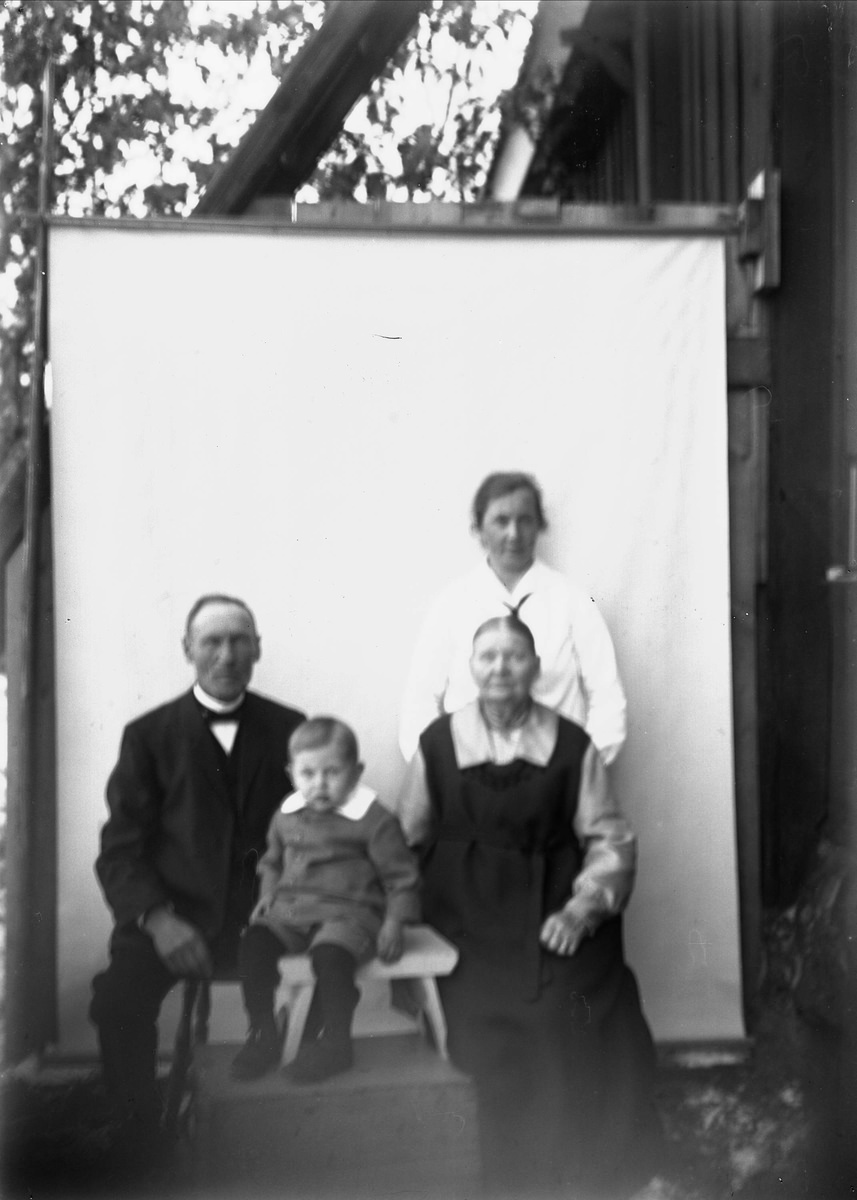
(356, 804)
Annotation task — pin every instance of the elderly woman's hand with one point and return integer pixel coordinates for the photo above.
(563, 932)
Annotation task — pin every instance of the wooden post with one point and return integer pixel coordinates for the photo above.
(843, 575)
(642, 104)
(31, 919)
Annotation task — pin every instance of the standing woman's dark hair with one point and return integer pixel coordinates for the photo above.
(502, 483)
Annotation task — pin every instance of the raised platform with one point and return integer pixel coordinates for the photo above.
(401, 1124)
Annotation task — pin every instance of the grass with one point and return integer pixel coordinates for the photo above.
(56, 1137)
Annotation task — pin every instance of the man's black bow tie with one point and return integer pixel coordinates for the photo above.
(220, 718)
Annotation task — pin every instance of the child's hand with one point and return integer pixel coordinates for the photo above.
(563, 932)
(391, 940)
(262, 908)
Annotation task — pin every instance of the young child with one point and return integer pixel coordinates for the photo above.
(338, 881)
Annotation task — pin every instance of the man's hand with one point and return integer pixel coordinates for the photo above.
(563, 932)
(179, 945)
(391, 940)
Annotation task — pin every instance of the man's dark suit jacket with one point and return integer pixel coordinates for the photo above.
(174, 835)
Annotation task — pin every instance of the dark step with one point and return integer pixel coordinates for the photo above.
(401, 1123)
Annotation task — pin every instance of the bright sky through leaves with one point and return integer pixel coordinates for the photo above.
(151, 96)
(202, 76)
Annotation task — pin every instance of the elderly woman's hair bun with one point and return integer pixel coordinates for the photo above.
(501, 483)
(514, 624)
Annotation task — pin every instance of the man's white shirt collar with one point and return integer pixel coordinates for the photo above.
(356, 804)
(218, 706)
(224, 731)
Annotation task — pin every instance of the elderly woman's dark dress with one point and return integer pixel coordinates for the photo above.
(558, 1046)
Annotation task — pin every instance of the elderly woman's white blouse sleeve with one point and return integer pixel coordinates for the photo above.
(604, 884)
(413, 804)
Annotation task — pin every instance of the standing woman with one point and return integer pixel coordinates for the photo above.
(579, 677)
(527, 864)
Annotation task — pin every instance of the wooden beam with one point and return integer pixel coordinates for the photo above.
(642, 104)
(31, 957)
(320, 87)
(691, 108)
(528, 215)
(31, 859)
(711, 130)
(730, 75)
(686, 77)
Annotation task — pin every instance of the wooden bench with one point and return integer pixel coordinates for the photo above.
(426, 956)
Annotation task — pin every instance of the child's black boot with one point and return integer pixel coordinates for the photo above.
(332, 1053)
(261, 1052)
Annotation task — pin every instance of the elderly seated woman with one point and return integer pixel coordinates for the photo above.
(527, 864)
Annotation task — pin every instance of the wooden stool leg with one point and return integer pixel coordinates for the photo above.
(299, 1001)
(203, 1013)
(426, 989)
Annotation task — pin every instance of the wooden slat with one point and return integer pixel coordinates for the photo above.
(843, 592)
(642, 104)
(756, 37)
(31, 958)
(685, 22)
(711, 129)
(280, 216)
(747, 422)
(30, 1015)
(696, 107)
(729, 85)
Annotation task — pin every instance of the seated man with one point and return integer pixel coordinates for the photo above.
(190, 800)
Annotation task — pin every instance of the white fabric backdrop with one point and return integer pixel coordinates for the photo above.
(301, 418)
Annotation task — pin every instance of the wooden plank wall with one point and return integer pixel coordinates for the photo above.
(795, 804)
(709, 74)
(738, 87)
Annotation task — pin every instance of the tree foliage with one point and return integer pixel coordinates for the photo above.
(445, 153)
(151, 96)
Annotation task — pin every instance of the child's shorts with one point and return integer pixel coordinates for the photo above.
(356, 936)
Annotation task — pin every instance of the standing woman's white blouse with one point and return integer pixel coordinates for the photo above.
(579, 677)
